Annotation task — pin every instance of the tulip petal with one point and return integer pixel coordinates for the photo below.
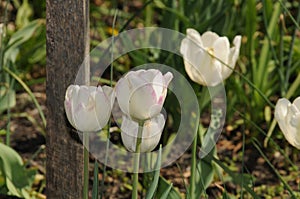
(145, 91)
(74, 95)
(233, 56)
(68, 104)
(210, 69)
(295, 121)
(102, 108)
(209, 38)
(193, 73)
(168, 78)
(283, 115)
(296, 102)
(151, 134)
(158, 86)
(83, 95)
(192, 57)
(73, 100)
(142, 101)
(221, 49)
(110, 93)
(194, 36)
(148, 75)
(143, 97)
(129, 133)
(85, 117)
(87, 107)
(281, 109)
(123, 95)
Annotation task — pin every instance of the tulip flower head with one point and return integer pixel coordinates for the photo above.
(151, 134)
(204, 56)
(287, 115)
(88, 108)
(141, 93)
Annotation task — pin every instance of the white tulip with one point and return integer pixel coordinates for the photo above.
(88, 108)
(288, 118)
(150, 137)
(141, 93)
(202, 54)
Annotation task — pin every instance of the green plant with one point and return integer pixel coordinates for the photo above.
(15, 178)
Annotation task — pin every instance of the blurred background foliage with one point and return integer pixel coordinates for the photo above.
(268, 68)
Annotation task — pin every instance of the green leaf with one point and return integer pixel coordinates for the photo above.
(17, 178)
(152, 188)
(7, 99)
(2, 132)
(18, 38)
(205, 174)
(24, 14)
(95, 181)
(165, 195)
(162, 188)
(243, 180)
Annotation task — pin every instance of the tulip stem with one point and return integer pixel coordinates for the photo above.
(193, 168)
(135, 177)
(85, 166)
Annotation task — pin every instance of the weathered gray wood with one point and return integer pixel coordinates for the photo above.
(67, 45)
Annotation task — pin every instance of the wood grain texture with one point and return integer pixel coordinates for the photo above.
(67, 46)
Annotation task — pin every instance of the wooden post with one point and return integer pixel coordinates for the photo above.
(67, 46)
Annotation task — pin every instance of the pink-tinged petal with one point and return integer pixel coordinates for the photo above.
(141, 101)
(146, 91)
(209, 38)
(142, 96)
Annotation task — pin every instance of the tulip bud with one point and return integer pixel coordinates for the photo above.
(141, 93)
(288, 118)
(152, 130)
(88, 108)
(202, 54)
